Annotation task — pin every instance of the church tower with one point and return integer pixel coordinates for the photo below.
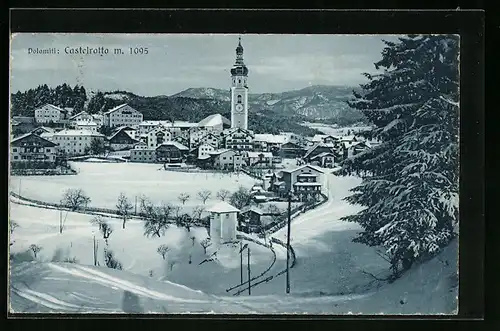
(239, 91)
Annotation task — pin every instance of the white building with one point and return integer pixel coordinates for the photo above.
(98, 118)
(86, 125)
(223, 222)
(205, 150)
(227, 159)
(268, 142)
(82, 116)
(122, 115)
(158, 136)
(50, 113)
(75, 142)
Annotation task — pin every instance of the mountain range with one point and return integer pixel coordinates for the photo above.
(314, 103)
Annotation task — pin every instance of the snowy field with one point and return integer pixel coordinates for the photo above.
(103, 182)
(330, 275)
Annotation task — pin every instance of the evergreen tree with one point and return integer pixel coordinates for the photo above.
(410, 181)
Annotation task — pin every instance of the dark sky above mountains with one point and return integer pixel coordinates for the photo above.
(277, 63)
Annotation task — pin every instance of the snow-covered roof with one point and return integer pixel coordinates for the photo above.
(213, 120)
(306, 175)
(271, 138)
(322, 154)
(115, 109)
(30, 134)
(86, 123)
(219, 151)
(47, 135)
(223, 207)
(307, 184)
(80, 113)
(155, 123)
(82, 132)
(176, 144)
(318, 137)
(55, 107)
(302, 167)
(203, 157)
(260, 197)
(257, 154)
(252, 208)
(183, 124)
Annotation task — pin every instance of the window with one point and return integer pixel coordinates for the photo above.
(239, 98)
(14, 150)
(16, 157)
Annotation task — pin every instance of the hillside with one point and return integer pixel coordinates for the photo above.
(318, 102)
(430, 288)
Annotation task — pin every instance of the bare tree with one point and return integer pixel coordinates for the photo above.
(163, 250)
(223, 194)
(73, 199)
(176, 210)
(183, 197)
(104, 227)
(205, 243)
(193, 238)
(197, 212)
(35, 249)
(111, 261)
(171, 264)
(241, 198)
(157, 218)
(124, 208)
(204, 195)
(12, 226)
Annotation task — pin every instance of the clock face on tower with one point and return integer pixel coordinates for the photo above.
(239, 107)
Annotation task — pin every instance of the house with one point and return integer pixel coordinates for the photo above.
(239, 139)
(82, 116)
(122, 115)
(143, 155)
(351, 149)
(145, 126)
(121, 140)
(226, 159)
(32, 148)
(76, 142)
(214, 123)
(251, 216)
(141, 145)
(204, 138)
(303, 181)
(203, 151)
(223, 222)
(158, 136)
(171, 152)
(259, 159)
(325, 160)
(319, 148)
(290, 150)
(50, 114)
(181, 129)
(86, 125)
(131, 131)
(269, 142)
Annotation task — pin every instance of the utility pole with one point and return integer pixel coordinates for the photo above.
(241, 262)
(248, 267)
(288, 243)
(94, 249)
(135, 205)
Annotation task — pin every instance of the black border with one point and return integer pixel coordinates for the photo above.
(469, 24)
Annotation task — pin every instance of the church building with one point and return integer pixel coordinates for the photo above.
(239, 91)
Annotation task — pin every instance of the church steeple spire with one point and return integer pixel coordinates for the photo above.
(239, 67)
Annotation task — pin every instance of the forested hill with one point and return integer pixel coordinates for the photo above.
(178, 108)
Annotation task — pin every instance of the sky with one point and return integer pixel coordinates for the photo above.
(173, 63)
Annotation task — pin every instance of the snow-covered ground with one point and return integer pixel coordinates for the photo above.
(331, 274)
(103, 182)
